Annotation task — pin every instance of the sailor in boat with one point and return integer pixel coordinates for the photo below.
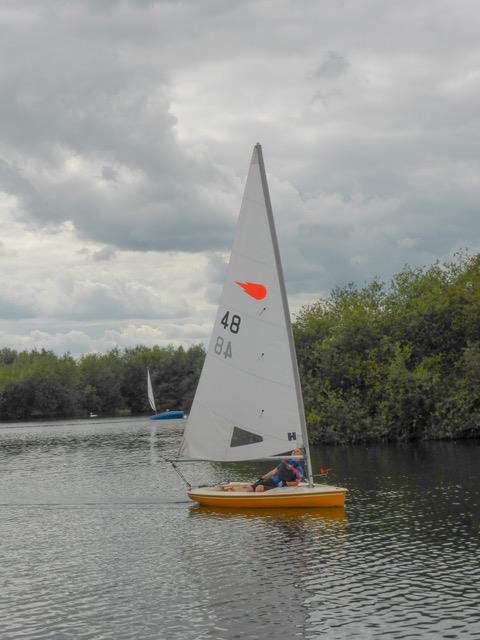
(288, 473)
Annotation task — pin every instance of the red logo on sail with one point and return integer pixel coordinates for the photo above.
(255, 290)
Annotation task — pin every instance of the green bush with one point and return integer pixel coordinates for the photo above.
(395, 363)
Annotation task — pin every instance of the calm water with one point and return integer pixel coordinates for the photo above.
(99, 541)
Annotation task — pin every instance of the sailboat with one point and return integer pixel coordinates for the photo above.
(248, 404)
(164, 415)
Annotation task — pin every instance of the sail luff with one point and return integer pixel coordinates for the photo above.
(151, 397)
(283, 291)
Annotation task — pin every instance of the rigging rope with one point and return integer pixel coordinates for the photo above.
(179, 473)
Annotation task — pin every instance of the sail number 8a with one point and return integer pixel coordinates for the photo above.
(219, 348)
(232, 323)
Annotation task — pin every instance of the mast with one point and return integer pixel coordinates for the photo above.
(286, 312)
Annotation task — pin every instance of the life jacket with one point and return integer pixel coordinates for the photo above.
(288, 471)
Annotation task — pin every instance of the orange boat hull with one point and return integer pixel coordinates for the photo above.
(281, 498)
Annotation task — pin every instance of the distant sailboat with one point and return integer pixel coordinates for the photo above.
(151, 397)
(248, 404)
(164, 415)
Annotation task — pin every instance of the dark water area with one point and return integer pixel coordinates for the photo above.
(98, 540)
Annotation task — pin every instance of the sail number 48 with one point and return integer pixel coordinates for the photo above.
(232, 323)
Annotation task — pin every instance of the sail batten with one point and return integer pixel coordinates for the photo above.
(249, 383)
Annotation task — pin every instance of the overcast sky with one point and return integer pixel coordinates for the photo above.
(126, 130)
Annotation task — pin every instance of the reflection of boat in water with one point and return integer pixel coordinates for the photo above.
(336, 514)
(248, 404)
(163, 415)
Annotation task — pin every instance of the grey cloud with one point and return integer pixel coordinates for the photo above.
(105, 254)
(90, 300)
(12, 182)
(333, 65)
(217, 268)
(87, 300)
(382, 170)
(213, 293)
(11, 310)
(111, 112)
(109, 173)
(345, 245)
(215, 274)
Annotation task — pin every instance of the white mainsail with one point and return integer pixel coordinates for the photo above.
(151, 397)
(248, 402)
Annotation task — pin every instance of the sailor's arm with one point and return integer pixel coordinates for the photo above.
(269, 474)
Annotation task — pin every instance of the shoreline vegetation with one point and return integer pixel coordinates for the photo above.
(377, 363)
(40, 384)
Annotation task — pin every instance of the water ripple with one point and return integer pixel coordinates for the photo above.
(99, 542)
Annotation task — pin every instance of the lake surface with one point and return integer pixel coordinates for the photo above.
(98, 540)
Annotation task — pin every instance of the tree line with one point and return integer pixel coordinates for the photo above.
(377, 363)
(395, 363)
(39, 384)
